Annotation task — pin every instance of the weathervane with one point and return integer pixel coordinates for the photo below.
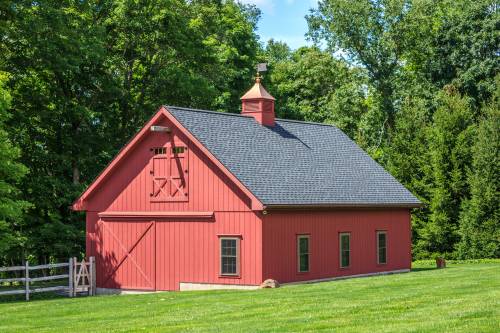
(262, 67)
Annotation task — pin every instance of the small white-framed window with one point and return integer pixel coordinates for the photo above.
(303, 253)
(229, 256)
(381, 247)
(345, 249)
(159, 150)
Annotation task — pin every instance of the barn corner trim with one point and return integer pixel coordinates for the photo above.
(80, 204)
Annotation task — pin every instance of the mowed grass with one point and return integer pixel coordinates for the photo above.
(460, 298)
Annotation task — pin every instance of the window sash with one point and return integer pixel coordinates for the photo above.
(381, 247)
(345, 249)
(303, 262)
(229, 256)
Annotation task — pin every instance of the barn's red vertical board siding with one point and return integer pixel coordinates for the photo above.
(280, 230)
(177, 250)
(188, 251)
(90, 239)
(128, 188)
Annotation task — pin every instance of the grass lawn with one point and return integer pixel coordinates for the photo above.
(460, 298)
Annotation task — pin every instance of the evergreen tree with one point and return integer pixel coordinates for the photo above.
(480, 216)
(449, 141)
(408, 157)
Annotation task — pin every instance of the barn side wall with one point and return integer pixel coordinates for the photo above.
(280, 230)
(172, 250)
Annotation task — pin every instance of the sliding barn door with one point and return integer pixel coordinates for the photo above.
(127, 255)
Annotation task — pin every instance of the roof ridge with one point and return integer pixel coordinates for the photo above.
(306, 122)
(205, 111)
(240, 115)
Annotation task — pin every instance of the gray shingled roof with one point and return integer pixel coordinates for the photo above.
(294, 163)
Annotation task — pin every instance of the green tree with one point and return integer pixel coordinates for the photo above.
(277, 52)
(61, 93)
(314, 86)
(193, 54)
(11, 172)
(227, 29)
(480, 216)
(454, 42)
(87, 74)
(408, 158)
(367, 33)
(449, 141)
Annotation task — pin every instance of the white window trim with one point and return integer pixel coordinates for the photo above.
(378, 248)
(237, 239)
(299, 237)
(340, 249)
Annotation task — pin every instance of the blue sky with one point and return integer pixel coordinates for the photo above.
(283, 20)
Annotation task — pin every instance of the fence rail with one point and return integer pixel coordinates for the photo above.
(81, 277)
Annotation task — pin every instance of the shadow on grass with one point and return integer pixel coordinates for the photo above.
(423, 269)
(33, 297)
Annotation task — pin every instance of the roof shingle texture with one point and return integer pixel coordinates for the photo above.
(294, 163)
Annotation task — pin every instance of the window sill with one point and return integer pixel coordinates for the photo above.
(229, 276)
(303, 273)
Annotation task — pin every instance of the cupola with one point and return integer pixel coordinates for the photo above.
(258, 103)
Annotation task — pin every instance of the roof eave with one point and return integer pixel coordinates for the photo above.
(342, 206)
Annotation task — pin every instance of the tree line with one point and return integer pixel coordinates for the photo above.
(413, 82)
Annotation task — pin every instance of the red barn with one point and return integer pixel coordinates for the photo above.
(200, 199)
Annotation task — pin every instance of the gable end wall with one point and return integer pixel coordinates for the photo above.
(185, 249)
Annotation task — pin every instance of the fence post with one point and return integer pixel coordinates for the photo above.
(70, 278)
(27, 279)
(92, 281)
(75, 273)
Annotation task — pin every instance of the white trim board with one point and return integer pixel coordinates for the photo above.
(399, 271)
(185, 286)
(112, 291)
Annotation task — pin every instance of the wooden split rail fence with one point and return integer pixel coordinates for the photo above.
(80, 277)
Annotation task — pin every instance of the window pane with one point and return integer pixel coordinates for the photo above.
(382, 247)
(229, 247)
(345, 252)
(344, 242)
(382, 255)
(304, 262)
(345, 258)
(304, 245)
(303, 253)
(381, 239)
(177, 150)
(228, 252)
(228, 265)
